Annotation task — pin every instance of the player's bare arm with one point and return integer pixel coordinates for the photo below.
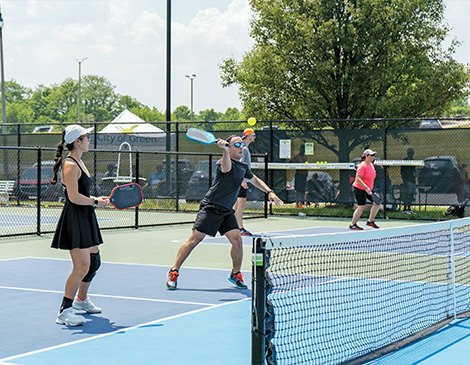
(226, 163)
(260, 184)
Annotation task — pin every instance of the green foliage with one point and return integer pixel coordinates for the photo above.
(209, 115)
(58, 104)
(347, 59)
(181, 113)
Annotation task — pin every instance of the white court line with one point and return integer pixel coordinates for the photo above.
(117, 331)
(15, 258)
(262, 234)
(109, 296)
(125, 263)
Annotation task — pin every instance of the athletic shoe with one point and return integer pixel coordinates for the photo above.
(237, 279)
(69, 318)
(86, 305)
(372, 224)
(172, 278)
(355, 227)
(244, 232)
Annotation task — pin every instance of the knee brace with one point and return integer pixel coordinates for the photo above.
(95, 263)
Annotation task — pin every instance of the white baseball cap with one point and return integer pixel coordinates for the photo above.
(74, 131)
(369, 152)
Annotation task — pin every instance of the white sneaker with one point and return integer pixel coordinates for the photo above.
(86, 305)
(69, 318)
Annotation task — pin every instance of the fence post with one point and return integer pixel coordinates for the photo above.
(385, 167)
(266, 174)
(38, 194)
(137, 180)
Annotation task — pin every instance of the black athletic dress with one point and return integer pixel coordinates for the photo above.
(77, 226)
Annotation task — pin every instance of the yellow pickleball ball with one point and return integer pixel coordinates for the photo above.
(306, 162)
(252, 121)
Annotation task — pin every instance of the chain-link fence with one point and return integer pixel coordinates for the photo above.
(117, 157)
(173, 184)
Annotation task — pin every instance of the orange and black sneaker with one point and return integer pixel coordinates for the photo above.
(244, 232)
(172, 278)
(237, 279)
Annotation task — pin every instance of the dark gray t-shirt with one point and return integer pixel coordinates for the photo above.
(223, 192)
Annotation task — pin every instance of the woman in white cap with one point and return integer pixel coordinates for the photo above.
(77, 229)
(363, 186)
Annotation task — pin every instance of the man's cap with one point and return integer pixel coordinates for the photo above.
(74, 131)
(369, 152)
(247, 132)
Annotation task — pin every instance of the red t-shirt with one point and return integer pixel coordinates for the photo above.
(368, 175)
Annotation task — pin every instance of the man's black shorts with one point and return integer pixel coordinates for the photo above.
(242, 192)
(209, 220)
(361, 196)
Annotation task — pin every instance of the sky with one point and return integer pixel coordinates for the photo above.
(125, 42)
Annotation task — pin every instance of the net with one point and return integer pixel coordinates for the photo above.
(335, 298)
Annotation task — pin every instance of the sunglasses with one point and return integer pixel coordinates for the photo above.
(239, 144)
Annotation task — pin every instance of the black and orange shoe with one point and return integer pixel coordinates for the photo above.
(237, 279)
(171, 280)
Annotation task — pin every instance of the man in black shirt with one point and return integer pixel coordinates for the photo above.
(216, 211)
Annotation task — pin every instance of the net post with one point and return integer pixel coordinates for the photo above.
(452, 253)
(258, 303)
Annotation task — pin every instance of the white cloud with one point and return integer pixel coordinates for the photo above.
(125, 41)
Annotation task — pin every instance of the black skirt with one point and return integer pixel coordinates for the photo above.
(77, 228)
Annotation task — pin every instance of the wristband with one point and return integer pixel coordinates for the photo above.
(270, 191)
(95, 203)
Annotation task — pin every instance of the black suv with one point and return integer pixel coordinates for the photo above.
(443, 174)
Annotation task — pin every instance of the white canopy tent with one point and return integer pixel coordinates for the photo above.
(127, 122)
(128, 127)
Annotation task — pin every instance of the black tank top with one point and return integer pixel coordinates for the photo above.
(84, 182)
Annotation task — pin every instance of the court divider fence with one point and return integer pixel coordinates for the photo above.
(173, 184)
(439, 188)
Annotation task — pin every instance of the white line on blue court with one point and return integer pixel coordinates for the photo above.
(4, 360)
(111, 296)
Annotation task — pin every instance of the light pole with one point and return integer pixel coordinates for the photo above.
(192, 77)
(4, 112)
(79, 85)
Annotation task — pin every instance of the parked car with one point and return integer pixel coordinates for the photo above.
(198, 184)
(430, 124)
(26, 188)
(168, 188)
(443, 174)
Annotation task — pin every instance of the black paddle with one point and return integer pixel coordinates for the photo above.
(126, 196)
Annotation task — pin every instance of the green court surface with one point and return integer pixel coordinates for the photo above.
(158, 246)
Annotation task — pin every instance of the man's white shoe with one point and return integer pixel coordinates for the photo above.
(69, 318)
(86, 305)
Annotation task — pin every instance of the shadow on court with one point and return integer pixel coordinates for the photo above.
(130, 295)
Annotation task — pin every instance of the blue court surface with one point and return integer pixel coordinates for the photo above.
(142, 322)
(206, 321)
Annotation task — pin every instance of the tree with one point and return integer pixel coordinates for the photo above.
(347, 59)
(181, 113)
(99, 98)
(336, 62)
(209, 115)
(231, 114)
